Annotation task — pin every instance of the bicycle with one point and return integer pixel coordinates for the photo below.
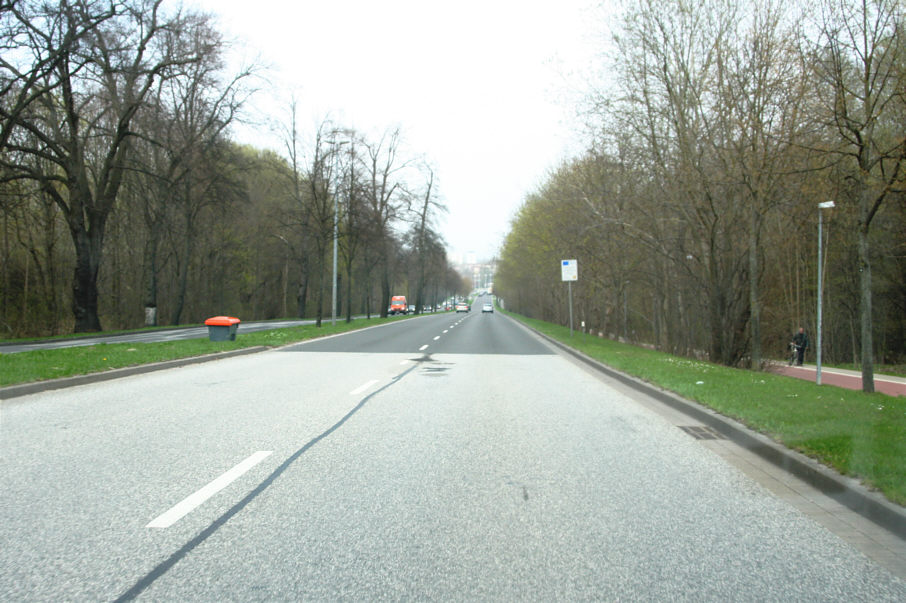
(794, 353)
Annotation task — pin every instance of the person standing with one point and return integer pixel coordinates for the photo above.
(801, 341)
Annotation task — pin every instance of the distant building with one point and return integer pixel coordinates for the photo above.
(481, 274)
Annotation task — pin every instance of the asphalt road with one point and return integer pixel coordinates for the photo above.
(452, 457)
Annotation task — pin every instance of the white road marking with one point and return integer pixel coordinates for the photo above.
(445, 331)
(193, 501)
(424, 347)
(362, 388)
(436, 338)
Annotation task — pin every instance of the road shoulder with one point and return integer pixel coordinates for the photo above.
(35, 387)
(863, 518)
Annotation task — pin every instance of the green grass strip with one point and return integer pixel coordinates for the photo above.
(858, 434)
(41, 365)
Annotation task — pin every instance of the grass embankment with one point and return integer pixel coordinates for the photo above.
(858, 434)
(41, 365)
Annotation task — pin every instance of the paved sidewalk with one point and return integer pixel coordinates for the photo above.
(885, 384)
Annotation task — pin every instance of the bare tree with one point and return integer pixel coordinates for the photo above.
(670, 56)
(314, 190)
(425, 240)
(38, 231)
(860, 61)
(353, 217)
(382, 196)
(184, 133)
(82, 124)
(35, 39)
(764, 88)
(296, 238)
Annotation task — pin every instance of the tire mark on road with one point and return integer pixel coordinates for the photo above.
(164, 566)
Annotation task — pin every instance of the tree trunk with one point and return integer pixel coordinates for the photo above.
(5, 294)
(754, 304)
(183, 274)
(715, 308)
(302, 295)
(868, 379)
(320, 300)
(348, 293)
(151, 252)
(385, 292)
(88, 245)
(182, 285)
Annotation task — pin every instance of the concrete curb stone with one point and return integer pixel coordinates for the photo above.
(24, 389)
(845, 490)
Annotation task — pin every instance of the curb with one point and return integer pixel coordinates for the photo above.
(15, 391)
(845, 490)
(24, 389)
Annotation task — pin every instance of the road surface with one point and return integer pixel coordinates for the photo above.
(453, 457)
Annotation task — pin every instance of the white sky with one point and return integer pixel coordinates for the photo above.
(477, 87)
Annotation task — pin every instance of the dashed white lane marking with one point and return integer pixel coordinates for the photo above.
(436, 338)
(424, 347)
(362, 388)
(445, 331)
(193, 501)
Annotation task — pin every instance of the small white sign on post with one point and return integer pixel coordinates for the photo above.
(569, 270)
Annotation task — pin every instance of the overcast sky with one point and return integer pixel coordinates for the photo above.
(481, 88)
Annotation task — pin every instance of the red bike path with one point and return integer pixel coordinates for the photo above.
(885, 384)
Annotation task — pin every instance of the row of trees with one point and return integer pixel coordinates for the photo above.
(123, 198)
(693, 214)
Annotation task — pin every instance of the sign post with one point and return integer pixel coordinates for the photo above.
(825, 205)
(569, 272)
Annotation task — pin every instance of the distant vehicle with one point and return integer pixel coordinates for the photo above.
(487, 308)
(462, 307)
(398, 305)
(412, 309)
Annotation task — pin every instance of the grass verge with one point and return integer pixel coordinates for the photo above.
(41, 365)
(858, 434)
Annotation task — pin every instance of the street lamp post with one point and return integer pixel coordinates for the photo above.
(825, 205)
(336, 236)
(333, 303)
